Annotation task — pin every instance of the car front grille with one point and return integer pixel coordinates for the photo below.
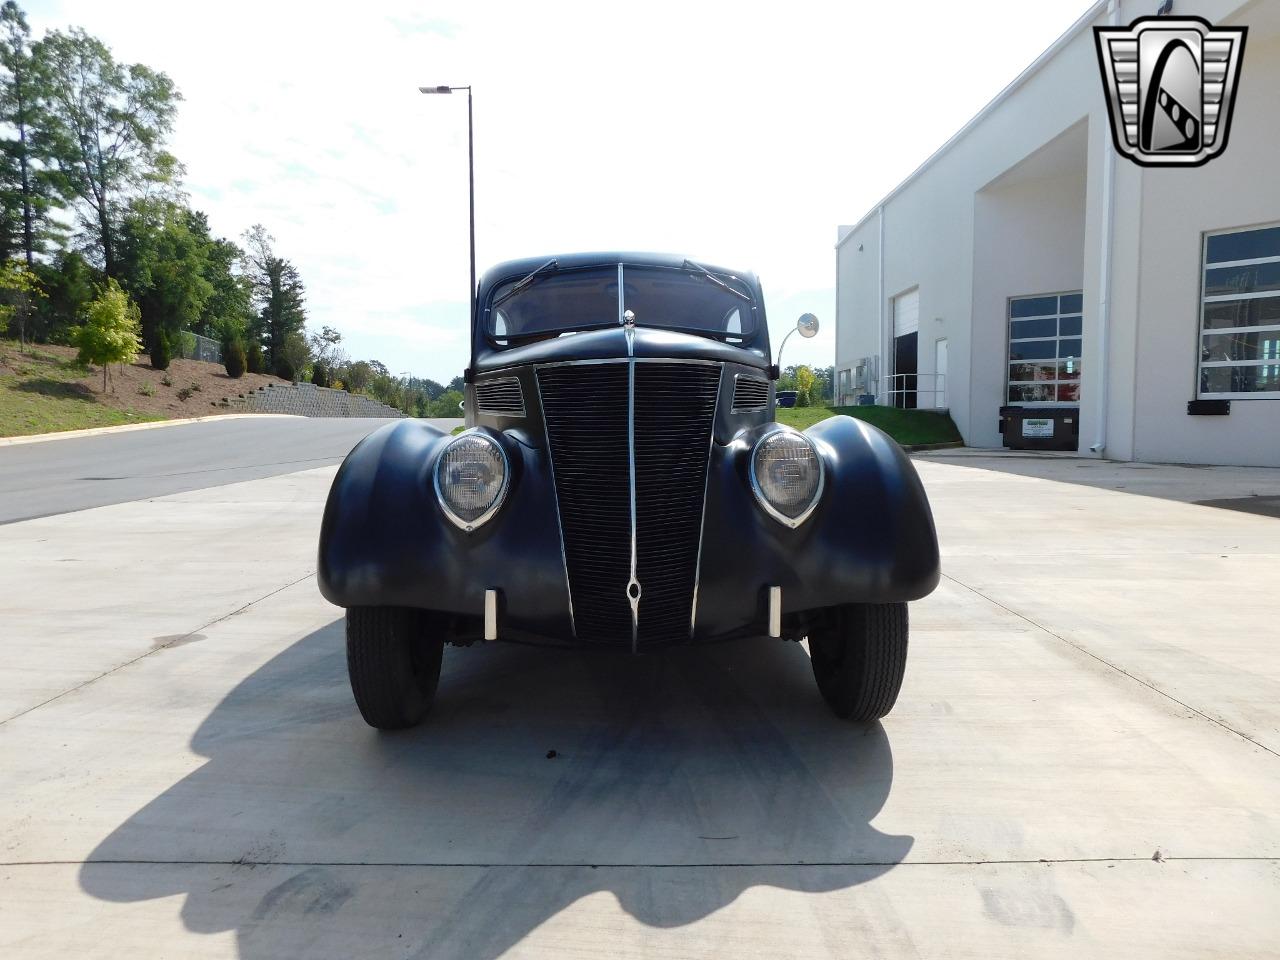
(585, 409)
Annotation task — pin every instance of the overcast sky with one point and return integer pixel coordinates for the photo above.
(740, 134)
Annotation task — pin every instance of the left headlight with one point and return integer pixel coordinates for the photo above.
(471, 479)
(786, 476)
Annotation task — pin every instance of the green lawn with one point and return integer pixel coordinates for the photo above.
(908, 427)
(44, 393)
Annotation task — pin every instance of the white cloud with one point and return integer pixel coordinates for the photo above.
(742, 134)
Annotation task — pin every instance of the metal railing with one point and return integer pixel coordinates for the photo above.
(905, 390)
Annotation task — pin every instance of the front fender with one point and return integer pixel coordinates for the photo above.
(871, 538)
(385, 541)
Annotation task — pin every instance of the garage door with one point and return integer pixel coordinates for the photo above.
(906, 313)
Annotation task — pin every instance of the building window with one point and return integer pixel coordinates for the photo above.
(1044, 348)
(1240, 315)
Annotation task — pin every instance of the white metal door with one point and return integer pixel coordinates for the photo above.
(940, 368)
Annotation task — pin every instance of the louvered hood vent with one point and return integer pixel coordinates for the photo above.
(501, 397)
(750, 393)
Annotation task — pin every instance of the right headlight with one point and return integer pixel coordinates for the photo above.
(471, 479)
(786, 476)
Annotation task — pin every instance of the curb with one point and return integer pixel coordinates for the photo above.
(922, 447)
(126, 427)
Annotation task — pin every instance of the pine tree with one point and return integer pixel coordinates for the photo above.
(27, 191)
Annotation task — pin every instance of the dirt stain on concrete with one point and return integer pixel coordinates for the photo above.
(175, 640)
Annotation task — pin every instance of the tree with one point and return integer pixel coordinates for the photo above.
(162, 263)
(457, 385)
(277, 293)
(106, 127)
(111, 330)
(27, 193)
(447, 404)
(358, 376)
(228, 310)
(68, 283)
(18, 288)
(324, 345)
(804, 386)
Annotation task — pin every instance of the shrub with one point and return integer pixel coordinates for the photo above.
(147, 390)
(234, 359)
(320, 373)
(166, 380)
(185, 394)
(254, 360)
(293, 357)
(194, 388)
(161, 352)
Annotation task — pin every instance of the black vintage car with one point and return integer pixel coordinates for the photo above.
(622, 483)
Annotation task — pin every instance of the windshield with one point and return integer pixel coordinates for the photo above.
(555, 303)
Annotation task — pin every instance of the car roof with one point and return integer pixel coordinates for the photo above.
(569, 261)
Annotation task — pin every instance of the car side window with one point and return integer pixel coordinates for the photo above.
(733, 325)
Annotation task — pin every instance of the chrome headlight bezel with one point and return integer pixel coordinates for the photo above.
(763, 500)
(462, 523)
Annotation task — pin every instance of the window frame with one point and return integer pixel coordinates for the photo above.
(1009, 320)
(1201, 363)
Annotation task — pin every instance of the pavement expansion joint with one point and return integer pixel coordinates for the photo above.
(514, 865)
(1116, 667)
(177, 638)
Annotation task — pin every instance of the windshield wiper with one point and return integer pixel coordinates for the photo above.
(553, 263)
(716, 280)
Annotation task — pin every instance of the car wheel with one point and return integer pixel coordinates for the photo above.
(859, 654)
(393, 663)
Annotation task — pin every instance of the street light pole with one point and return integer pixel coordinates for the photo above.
(471, 181)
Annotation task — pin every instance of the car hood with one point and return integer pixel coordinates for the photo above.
(611, 344)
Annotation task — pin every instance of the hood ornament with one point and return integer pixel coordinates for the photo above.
(628, 318)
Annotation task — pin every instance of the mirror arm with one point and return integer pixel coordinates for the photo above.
(780, 346)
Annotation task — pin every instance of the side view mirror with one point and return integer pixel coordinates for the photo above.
(806, 326)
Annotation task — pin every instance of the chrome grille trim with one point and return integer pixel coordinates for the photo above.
(551, 461)
(702, 526)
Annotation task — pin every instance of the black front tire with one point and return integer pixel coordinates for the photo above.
(394, 664)
(859, 656)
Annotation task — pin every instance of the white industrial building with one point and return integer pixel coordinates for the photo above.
(1031, 264)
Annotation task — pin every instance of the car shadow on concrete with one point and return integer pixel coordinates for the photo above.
(674, 782)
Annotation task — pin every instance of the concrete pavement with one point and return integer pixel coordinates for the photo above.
(76, 473)
(1083, 761)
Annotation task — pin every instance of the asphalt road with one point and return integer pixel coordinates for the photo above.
(58, 476)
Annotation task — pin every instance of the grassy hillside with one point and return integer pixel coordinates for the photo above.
(908, 427)
(43, 390)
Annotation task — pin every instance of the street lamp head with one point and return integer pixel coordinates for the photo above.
(440, 89)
